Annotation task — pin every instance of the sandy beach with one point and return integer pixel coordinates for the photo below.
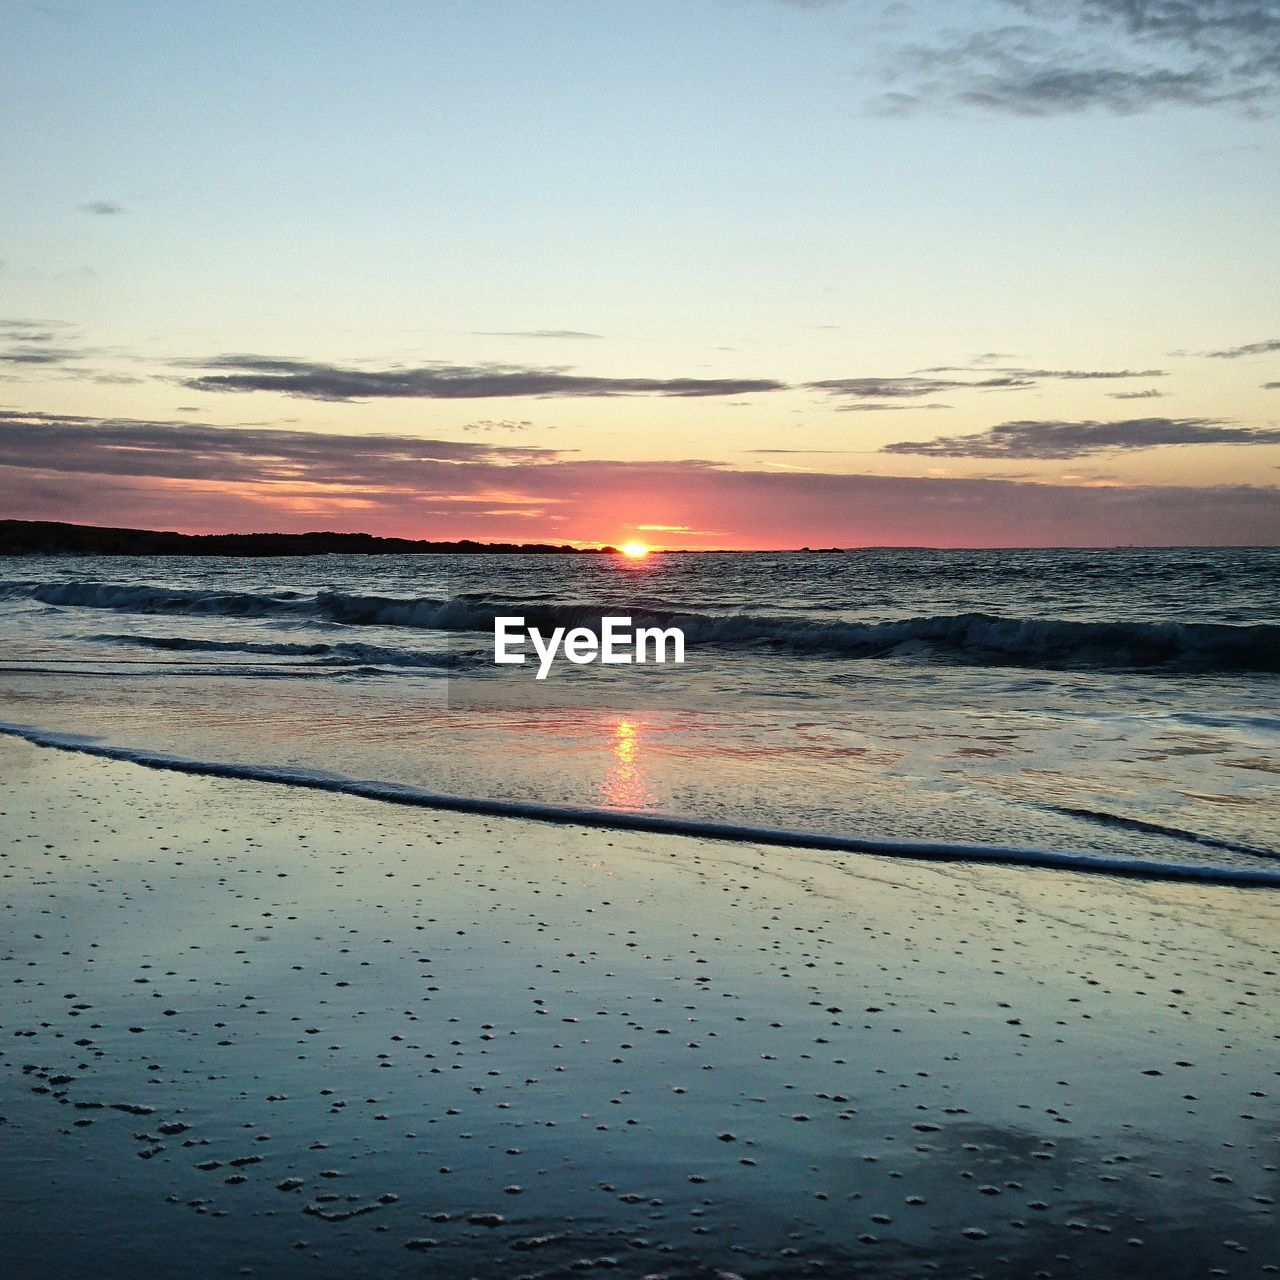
(251, 1030)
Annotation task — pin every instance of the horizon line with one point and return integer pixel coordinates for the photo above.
(572, 546)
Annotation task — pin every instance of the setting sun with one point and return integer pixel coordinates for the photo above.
(635, 550)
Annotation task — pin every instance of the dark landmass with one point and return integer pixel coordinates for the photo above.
(47, 537)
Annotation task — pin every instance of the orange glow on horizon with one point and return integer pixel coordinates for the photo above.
(635, 550)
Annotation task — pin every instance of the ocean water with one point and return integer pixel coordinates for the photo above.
(1115, 704)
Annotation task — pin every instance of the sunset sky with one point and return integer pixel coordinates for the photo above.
(705, 273)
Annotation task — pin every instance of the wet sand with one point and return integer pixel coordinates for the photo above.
(248, 1030)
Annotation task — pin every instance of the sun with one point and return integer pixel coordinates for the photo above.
(635, 550)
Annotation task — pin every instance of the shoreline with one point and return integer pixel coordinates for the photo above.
(315, 1035)
(665, 824)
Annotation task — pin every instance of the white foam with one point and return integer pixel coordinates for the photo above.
(591, 816)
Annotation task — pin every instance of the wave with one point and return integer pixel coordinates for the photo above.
(365, 655)
(658, 823)
(976, 638)
(1127, 823)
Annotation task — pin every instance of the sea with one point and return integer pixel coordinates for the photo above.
(1113, 707)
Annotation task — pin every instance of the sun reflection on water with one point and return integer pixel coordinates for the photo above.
(625, 786)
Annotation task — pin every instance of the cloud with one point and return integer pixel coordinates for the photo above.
(205, 478)
(31, 330)
(1250, 349)
(1079, 439)
(103, 208)
(1043, 91)
(265, 455)
(1055, 57)
(50, 343)
(317, 381)
(1066, 375)
(908, 387)
(37, 353)
(1150, 394)
(567, 334)
(498, 424)
(1245, 27)
(875, 406)
(32, 342)
(438, 381)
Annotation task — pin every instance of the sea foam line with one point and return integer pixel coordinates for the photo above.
(658, 823)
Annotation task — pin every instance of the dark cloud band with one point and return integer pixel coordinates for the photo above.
(237, 455)
(909, 387)
(1263, 348)
(1062, 440)
(316, 381)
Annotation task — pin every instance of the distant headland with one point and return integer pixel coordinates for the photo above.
(48, 537)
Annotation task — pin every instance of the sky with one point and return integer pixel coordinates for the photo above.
(700, 273)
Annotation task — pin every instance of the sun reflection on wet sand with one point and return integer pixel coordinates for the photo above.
(625, 786)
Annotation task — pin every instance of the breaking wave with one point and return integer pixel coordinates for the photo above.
(325, 654)
(976, 638)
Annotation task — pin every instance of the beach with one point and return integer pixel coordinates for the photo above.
(250, 1029)
(640, 639)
